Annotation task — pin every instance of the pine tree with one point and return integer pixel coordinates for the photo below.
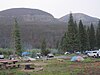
(98, 35)
(57, 44)
(17, 40)
(63, 44)
(72, 35)
(83, 37)
(92, 39)
(87, 31)
(43, 45)
(76, 28)
(44, 51)
(76, 41)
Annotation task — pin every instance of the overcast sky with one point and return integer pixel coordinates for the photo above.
(57, 8)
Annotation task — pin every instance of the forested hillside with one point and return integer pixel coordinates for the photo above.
(34, 25)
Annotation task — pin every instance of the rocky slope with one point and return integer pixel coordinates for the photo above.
(87, 20)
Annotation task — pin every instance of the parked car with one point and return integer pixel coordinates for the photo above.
(93, 53)
(50, 55)
(78, 52)
(27, 58)
(86, 52)
(66, 53)
(1, 56)
(98, 54)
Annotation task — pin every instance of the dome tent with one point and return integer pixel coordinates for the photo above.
(77, 58)
(25, 53)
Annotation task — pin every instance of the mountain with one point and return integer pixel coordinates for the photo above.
(34, 26)
(87, 20)
(25, 15)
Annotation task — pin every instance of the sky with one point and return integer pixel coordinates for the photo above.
(57, 8)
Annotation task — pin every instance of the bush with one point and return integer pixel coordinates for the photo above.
(45, 52)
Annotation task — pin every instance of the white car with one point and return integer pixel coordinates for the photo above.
(27, 58)
(98, 54)
(66, 53)
(50, 55)
(92, 53)
(1, 56)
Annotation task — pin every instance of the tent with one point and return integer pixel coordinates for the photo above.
(25, 53)
(77, 58)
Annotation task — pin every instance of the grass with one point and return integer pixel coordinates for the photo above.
(65, 67)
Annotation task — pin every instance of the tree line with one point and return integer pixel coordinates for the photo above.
(78, 37)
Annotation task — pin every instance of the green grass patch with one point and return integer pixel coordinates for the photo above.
(56, 67)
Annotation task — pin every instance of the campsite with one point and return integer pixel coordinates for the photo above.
(58, 65)
(49, 37)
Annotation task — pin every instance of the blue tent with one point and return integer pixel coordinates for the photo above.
(25, 53)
